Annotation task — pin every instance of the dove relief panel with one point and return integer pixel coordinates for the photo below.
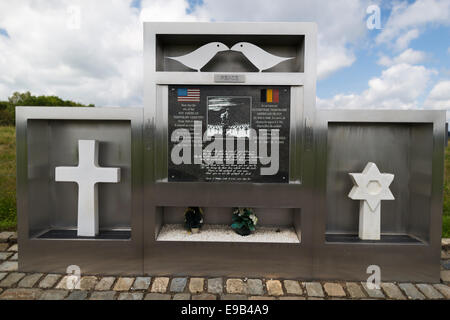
(230, 53)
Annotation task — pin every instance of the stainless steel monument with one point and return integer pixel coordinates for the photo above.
(232, 85)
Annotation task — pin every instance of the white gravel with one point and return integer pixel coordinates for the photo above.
(224, 233)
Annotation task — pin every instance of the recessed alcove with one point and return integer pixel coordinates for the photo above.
(48, 137)
(174, 45)
(275, 225)
(397, 148)
(53, 143)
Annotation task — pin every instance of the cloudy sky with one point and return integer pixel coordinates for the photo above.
(91, 51)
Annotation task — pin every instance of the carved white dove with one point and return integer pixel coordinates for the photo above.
(197, 59)
(262, 59)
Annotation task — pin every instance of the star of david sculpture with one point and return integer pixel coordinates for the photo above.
(370, 187)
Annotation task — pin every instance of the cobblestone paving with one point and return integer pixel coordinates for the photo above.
(38, 286)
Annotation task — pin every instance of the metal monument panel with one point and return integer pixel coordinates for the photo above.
(216, 97)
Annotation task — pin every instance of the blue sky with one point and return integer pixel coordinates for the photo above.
(354, 78)
(434, 41)
(91, 51)
(4, 33)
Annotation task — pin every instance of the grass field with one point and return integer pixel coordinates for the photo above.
(8, 219)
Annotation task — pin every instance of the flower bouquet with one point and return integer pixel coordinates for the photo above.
(193, 219)
(244, 221)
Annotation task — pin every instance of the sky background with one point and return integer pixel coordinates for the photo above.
(91, 51)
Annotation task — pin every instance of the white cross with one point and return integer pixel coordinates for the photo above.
(371, 187)
(87, 175)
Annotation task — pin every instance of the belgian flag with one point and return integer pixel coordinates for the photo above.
(270, 95)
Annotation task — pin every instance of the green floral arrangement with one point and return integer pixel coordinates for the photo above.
(244, 221)
(193, 219)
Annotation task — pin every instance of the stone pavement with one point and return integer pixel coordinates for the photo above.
(19, 285)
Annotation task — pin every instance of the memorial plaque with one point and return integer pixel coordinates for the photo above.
(229, 133)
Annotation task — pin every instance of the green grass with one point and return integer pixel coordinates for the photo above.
(8, 215)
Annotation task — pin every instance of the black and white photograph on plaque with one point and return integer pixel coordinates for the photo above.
(229, 116)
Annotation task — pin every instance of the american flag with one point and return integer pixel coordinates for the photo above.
(188, 95)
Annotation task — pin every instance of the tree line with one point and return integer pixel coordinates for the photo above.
(8, 108)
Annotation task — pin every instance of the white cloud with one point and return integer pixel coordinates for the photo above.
(340, 23)
(332, 58)
(406, 19)
(403, 40)
(409, 56)
(398, 87)
(100, 62)
(439, 97)
(166, 10)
